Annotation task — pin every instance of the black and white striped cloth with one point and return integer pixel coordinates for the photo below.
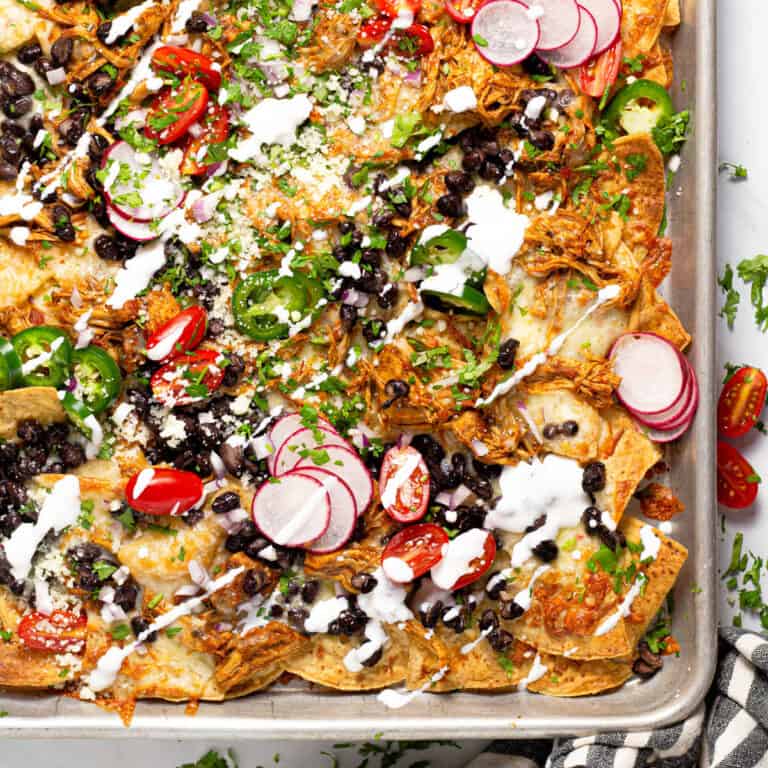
(736, 734)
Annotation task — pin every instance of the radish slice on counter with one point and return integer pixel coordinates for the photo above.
(505, 32)
(652, 373)
(134, 230)
(580, 48)
(139, 190)
(343, 511)
(289, 453)
(347, 465)
(292, 510)
(607, 16)
(286, 426)
(559, 21)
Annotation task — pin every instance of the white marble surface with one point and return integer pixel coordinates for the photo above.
(742, 232)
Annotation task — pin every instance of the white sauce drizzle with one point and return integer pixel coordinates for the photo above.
(398, 480)
(624, 608)
(651, 543)
(537, 671)
(458, 556)
(604, 295)
(397, 699)
(108, 666)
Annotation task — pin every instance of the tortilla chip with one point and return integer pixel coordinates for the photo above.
(40, 403)
(651, 313)
(323, 662)
(672, 14)
(641, 24)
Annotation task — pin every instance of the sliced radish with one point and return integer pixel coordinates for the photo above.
(131, 174)
(607, 16)
(135, 230)
(580, 48)
(345, 463)
(505, 32)
(292, 510)
(667, 436)
(652, 372)
(343, 511)
(559, 21)
(686, 409)
(287, 425)
(289, 453)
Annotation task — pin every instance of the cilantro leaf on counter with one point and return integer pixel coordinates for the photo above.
(732, 298)
(735, 170)
(212, 759)
(754, 272)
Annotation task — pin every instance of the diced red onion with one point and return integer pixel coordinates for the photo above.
(204, 208)
(107, 595)
(209, 19)
(198, 574)
(413, 78)
(56, 76)
(355, 298)
(232, 521)
(404, 440)
(479, 448)
(121, 574)
(217, 169)
(302, 10)
(71, 385)
(188, 590)
(75, 299)
(219, 468)
(223, 626)
(413, 274)
(195, 130)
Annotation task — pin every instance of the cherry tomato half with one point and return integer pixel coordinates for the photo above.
(162, 491)
(399, 7)
(374, 30)
(474, 540)
(741, 402)
(174, 110)
(61, 632)
(215, 126)
(600, 72)
(419, 547)
(412, 42)
(184, 62)
(180, 334)
(404, 484)
(188, 378)
(736, 480)
(462, 11)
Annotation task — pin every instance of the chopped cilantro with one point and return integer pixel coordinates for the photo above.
(732, 298)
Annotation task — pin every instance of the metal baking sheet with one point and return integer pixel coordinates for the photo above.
(302, 712)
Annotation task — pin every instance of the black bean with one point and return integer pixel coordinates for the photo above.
(550, 431)
(139, 624)
(276, 610)
(508, 353)
(459, 182)
(455, 617)
(395, 389)
(62, 223)
(19, 107)
(215, 328)
(373, 329)
(472, 161)
(490, 148)
(351, 621)
(451, 205)
(72, 455)
(30, 432)
(543, 140)
(309, 590)
(43, 66)
(234, 370)
(253, 582)
(99, 83)
(429, 448)
(387, 296)
(536, 524)
(73, 127)
(348, 316)
(647, 663)
(11, 149)
(14, 82)
(534, 65)
(593, 479)
(297, 617)
(29, 53)
(500, 640)
(495, 586)
(106, 248)
(225, 502)
(546, 550)
(8, 172)
(364, 582)
(87, 553)
(382, 217)
(491, 171)
(61, 51)
(569, 428)
(197, 23)
(126, 595)
(232, 456)
(96, 147)
(511, 610)
(486, 470)
(564, 98)
(397, 245)
(430, 616)
(374, 658)
(488, 619)
(102, 33)
(480, 486)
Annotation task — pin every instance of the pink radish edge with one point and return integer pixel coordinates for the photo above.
(134, 230)
(494, 8)
(280, 510)
(580, 49)
(556, 15)
(607, 16)
(686, 414)
(304, 437)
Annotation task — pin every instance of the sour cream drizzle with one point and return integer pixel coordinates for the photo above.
(108, 666)
(394, 699)
(604, 295)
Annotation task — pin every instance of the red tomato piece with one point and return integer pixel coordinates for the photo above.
(404, 484)
(736, 480)
(174, 110)
(741, 402)
(413, 42)
(188, 378)
(600, 72)
(61, 632)
(398, 7)
(419, 547)
(462, 11)
(374, 30)
(480, 564)
(180, 334)
(163, 491)
(215, 126)
(184, 62)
